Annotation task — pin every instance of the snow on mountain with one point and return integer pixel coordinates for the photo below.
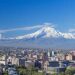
(68, 35)
(45, 37)
(47, 32)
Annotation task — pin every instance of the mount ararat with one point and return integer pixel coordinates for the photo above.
(45, 37)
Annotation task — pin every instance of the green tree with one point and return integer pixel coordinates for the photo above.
(5, 73)
(70, 71)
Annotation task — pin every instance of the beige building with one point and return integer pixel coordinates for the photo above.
(69, 57)
(13, 60)
(2, 60)
(46, 63)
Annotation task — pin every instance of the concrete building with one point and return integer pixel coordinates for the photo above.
(21, 62)
(2, 60)
(70, 57)
(13, 60)
(55, 67)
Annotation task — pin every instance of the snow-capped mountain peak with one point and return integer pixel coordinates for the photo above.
(41, 36)
(47, 32)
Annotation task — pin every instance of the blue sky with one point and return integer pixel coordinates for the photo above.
(21, 13)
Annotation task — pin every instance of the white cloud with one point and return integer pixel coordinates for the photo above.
(68, 35)
(47, 28)
(26, 28)
(23, 28)
(71, 30)
(48, 32)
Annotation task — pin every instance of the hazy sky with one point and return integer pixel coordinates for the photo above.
(21, 13)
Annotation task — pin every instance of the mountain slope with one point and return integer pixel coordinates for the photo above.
(47, 32)
(46, 37)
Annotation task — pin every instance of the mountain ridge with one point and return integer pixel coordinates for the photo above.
(46, 37)
(47, 32)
